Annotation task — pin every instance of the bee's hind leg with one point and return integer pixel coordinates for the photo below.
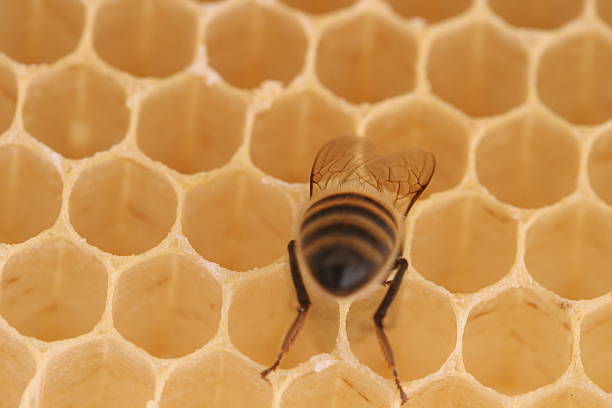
(401, 264)
(304, 306)
(387, 282)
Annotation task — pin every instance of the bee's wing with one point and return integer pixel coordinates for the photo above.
(400, 176)
(337, 161)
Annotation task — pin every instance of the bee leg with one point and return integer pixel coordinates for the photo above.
(302, 310)
(388, 282)
(401, 264)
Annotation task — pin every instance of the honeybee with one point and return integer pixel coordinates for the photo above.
(350, 234)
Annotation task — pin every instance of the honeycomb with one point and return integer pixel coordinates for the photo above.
(154, 155)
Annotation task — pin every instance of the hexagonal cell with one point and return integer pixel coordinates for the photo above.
(571, 397)
(169, 305)
(604, 9)
(306, 120)
(35, 32)
(147, 38)
(464, 243)
(595, 346)
(76, 111)
(191, 126)
(345, 386)
(517, 341)
(269, 301)
(53, 290)
(17, 367)
(543, 14)
(573, 77)
(216, 380)
(489, 74)
(97, 373)
(420, 324)
(453, 392)
(600, 166)
(431, 11)
(569, 250)
(122, 207)
(254, 219)
(353, 65)
(319, 6)
(8, 97)
(518, 152)
(254, 42)
(31, 194)
(431, 125)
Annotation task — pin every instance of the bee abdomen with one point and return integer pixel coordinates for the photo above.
(349, 214)
(351, 210)
(346, 238)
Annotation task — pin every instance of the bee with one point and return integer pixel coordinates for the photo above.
(350, 233)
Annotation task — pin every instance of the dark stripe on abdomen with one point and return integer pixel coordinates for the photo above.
(354, 196)
(350, 210)
(343, 230)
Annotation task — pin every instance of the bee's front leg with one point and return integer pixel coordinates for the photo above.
(401, 264)
(304, 306)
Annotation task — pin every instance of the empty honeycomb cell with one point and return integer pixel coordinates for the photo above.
(169, 306)
(604, 9)
(600, 166)
(595, 346)
(515, 161)
(571, 397)
(8, 97)
(569, 250)
(427, 124)
(574, 79)
(489, 69)
(35, 32)
(452, 392)
(253, 42)
(254, 219)
(97, 373)
(31, 194)
(420, 325)
(147, 38)
(464, 243)
(53, 290)
(367, 58)
(319, 6)
(270, 301)
(287, 136)
(338, 386)
(76, 111)
(191, 126)
(517, 341)
(122, 207)
(431, 11)
(543, 14)
(17, 368)
(216, 380)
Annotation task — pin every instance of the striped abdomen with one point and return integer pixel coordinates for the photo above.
(346, 238)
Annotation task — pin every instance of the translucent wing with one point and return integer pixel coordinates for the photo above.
(401, 177)
(336, 162)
